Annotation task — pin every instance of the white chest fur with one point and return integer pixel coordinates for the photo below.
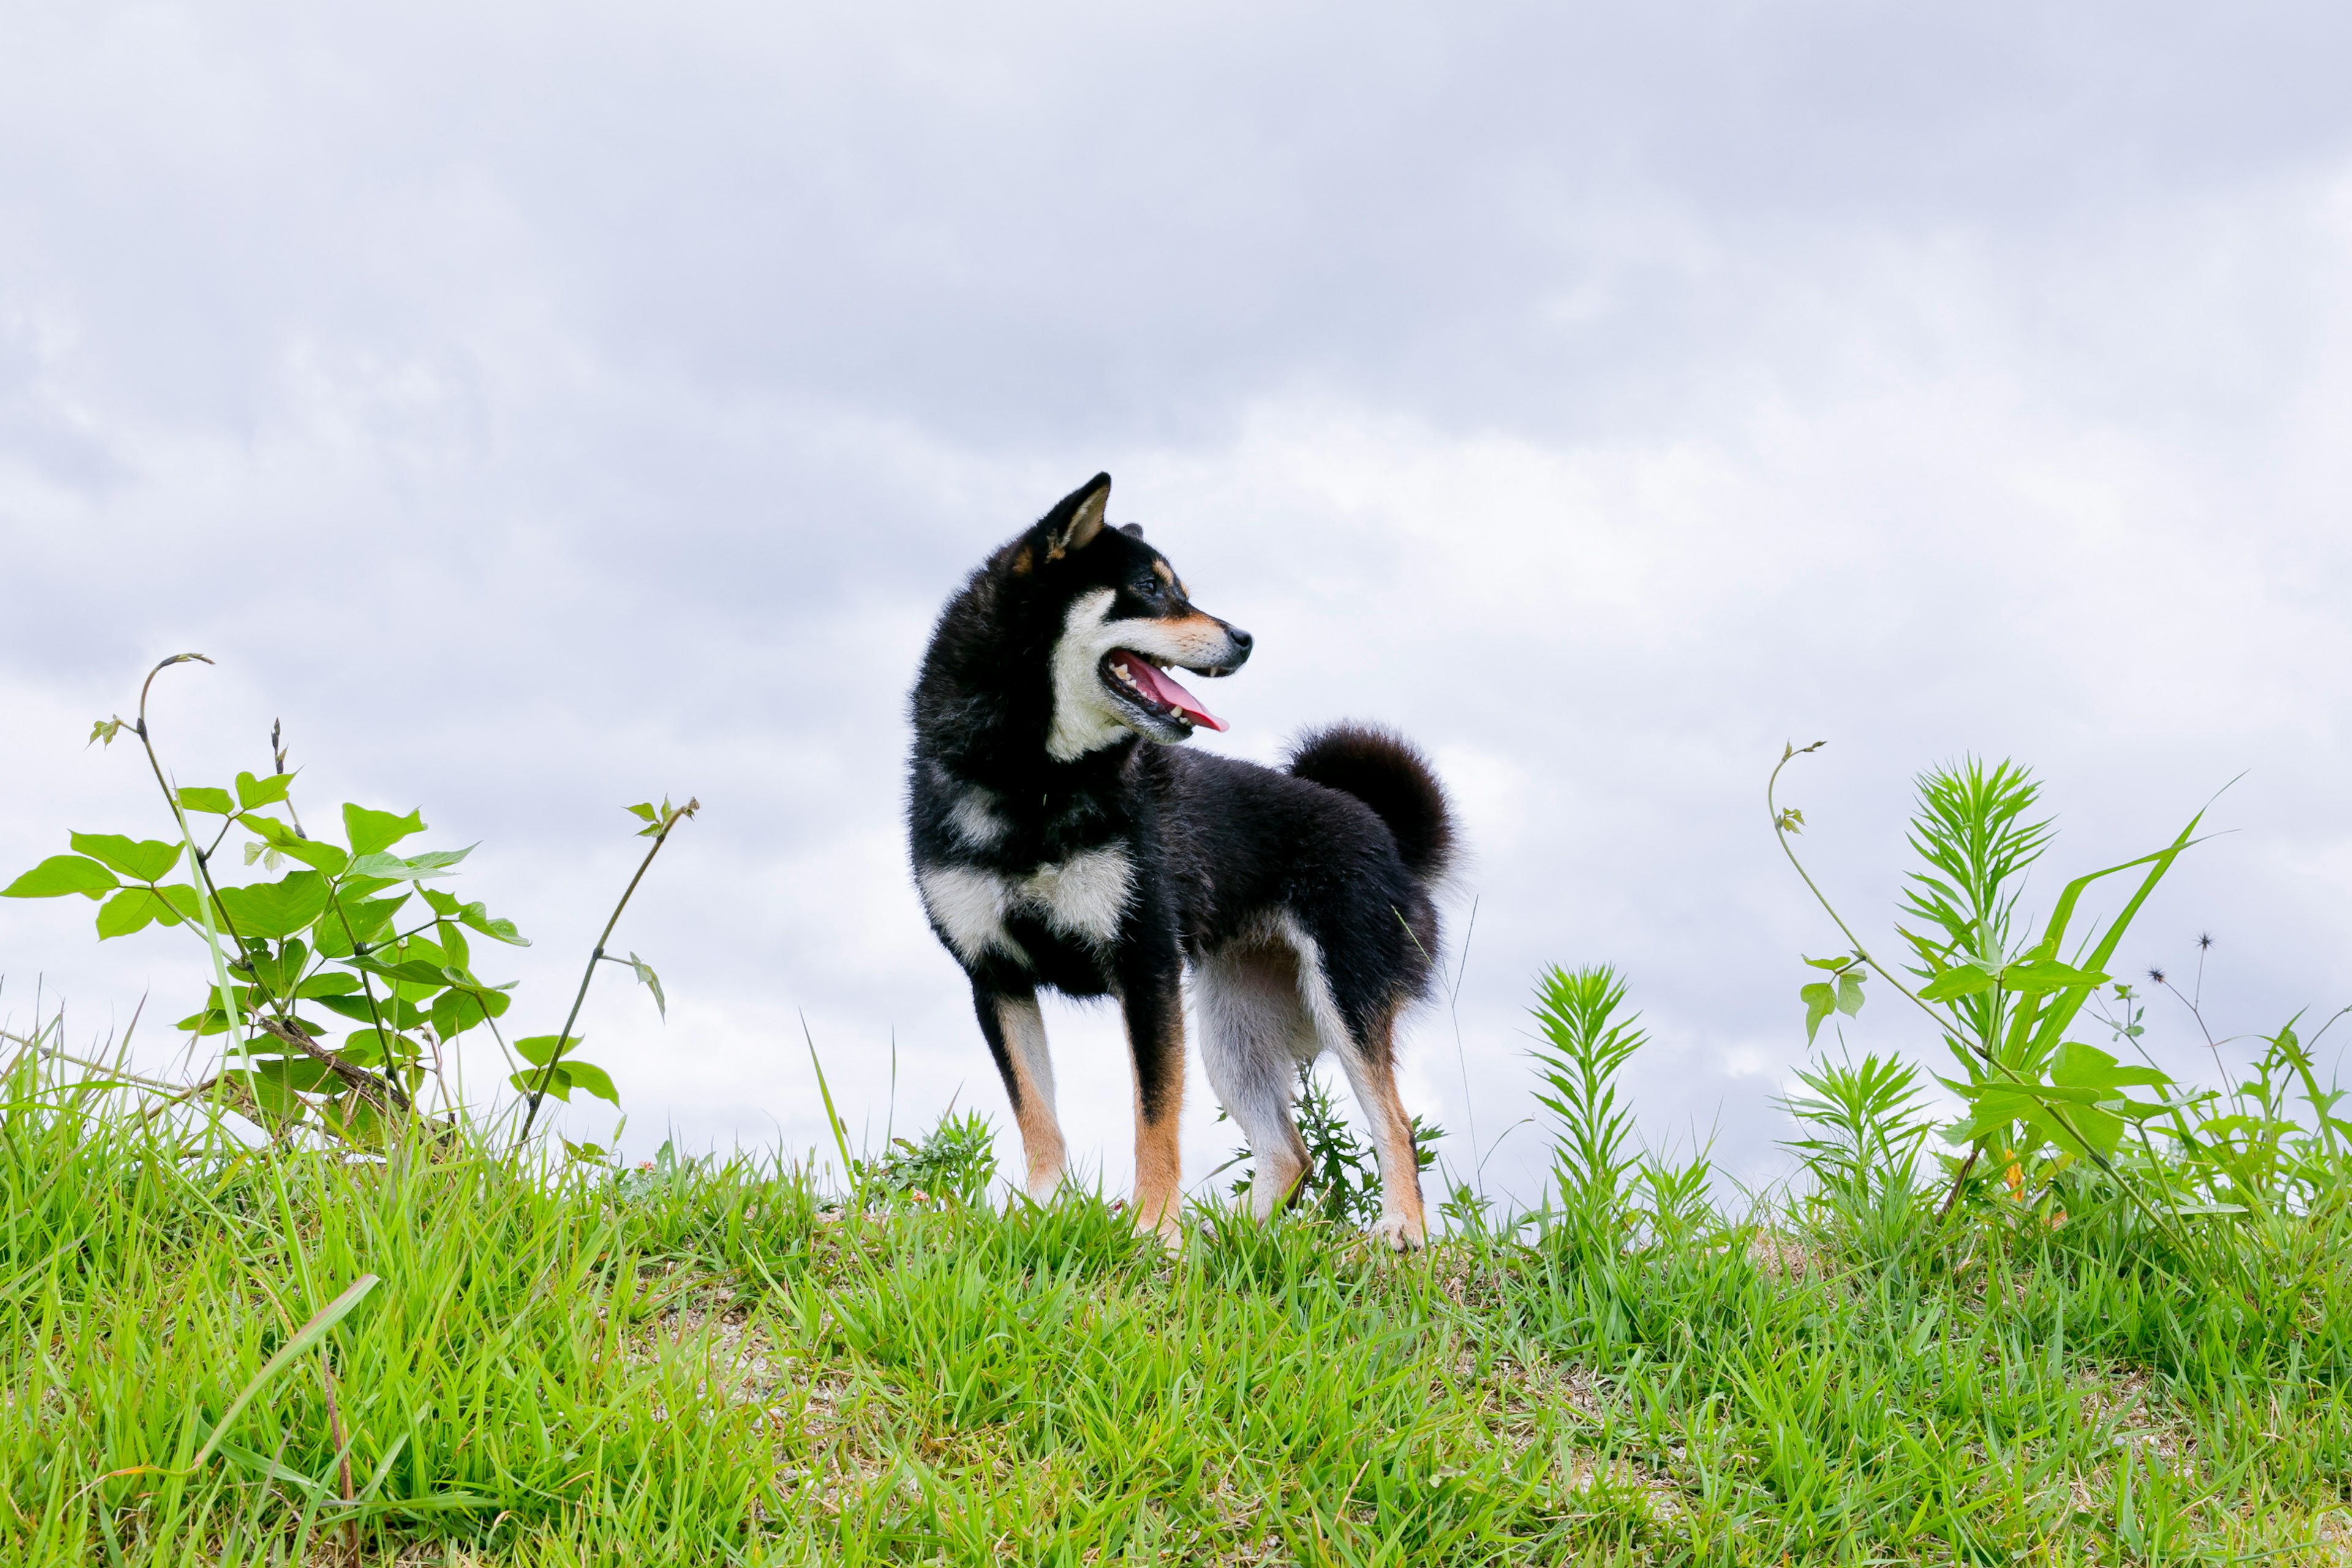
(1084, 896)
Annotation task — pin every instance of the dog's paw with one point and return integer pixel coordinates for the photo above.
(1401, 1233)
(1168, 1228)
(1044, 1187)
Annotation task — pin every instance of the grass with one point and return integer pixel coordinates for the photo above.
(2116, 1329)
(713, 1361)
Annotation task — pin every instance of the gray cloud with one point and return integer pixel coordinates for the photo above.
(540, 409)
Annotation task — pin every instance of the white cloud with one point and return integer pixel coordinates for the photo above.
(543, 410)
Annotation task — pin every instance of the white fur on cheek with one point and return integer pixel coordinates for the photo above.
(1085, 719)
(969, 906)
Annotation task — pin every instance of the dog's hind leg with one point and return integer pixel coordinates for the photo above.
(1016, 1030)
(1369, 1059)
(1372, 1073)
(1250, 1021)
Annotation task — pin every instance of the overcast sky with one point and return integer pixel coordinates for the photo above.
(541, 408)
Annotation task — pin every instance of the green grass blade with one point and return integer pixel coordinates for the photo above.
(308, 1334)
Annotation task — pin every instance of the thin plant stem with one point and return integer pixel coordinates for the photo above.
(562, 1040)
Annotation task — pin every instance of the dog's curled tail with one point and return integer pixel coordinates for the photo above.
(1387, 773)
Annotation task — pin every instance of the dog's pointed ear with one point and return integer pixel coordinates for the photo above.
(1079, 520)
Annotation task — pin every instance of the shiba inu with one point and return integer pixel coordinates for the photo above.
(1063, 838)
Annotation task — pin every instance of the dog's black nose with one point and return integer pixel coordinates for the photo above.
(1242, 640)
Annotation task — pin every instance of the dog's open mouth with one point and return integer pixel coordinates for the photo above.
(1144, 681)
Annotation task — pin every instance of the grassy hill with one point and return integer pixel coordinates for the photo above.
(716, 1362)
(316, 1309)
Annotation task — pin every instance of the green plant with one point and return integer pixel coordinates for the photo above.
(955, 1162)
(2271, 1143)
(2004, 1006)
(1587, 1047)
(701, 1359)
(1867, 1125)
(339, 934)
(1342, 1183)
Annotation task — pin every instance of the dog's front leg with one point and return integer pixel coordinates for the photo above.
(1153, 997)
(1016, 1030)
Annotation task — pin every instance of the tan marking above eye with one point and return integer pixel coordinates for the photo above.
(1160, 570)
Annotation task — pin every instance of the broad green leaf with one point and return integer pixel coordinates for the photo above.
(351, 1005)
(588, 1075)
(537, 1048)
(275, 910)
(62, 874)
(455, 1011)
(252, 792)
(278, 974)
(329, 982)
(452, 944)
(497, 928)
(2047, 1025)
(2099, 1128)
(275, 1083)
(418, 948)
(369, 917)
(556, 1081)
(645, 809)
(372, 831)
(443, 904)
(567, 1075)
(367, 1047)
(403, 1013)
(145, 860)
(319, 857)
(1849, 993)
(2091, 1067)
(413, 971)
(2002, 1098)
(351, 917)
(133, 908)
(2035, 976)
(1821, 1000)
(393, 868)
(1962, 980)
(211, 802)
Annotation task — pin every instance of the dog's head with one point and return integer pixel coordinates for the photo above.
(1118, 620)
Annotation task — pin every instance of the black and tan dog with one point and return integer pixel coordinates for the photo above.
(1053, 850)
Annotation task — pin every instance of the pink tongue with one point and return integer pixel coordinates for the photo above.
(1153, 683)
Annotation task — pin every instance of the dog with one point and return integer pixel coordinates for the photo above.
(1062, 838)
